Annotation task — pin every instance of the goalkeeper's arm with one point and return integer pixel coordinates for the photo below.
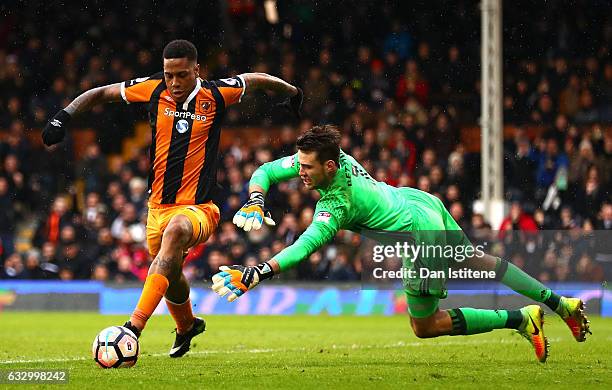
(282, 169)
(253, 213)
(317, 235)
(237, 279)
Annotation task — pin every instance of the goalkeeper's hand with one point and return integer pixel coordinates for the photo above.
(55, 130)
(294, 103)
(253, 214)
(235, 280)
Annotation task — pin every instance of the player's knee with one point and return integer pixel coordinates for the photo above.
(178, 233)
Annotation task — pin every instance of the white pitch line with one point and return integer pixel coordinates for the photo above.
(398, 344)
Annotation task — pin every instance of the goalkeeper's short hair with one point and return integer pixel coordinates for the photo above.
(325, 140)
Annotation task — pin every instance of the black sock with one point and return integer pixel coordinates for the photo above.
(553, 301)
(515, 319)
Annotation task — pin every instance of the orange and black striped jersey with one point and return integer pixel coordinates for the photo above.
(185, 140)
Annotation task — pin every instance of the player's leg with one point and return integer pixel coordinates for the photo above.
(428, 321)
(203, 220)
(571, 310)
(166, 266)
(187, 325)
(179, 304)
(178, 290)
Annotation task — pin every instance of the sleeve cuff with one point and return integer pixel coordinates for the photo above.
(243, 87)
(123, 93)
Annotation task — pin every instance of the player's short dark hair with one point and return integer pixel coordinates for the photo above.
(181, 48)
(325, 140)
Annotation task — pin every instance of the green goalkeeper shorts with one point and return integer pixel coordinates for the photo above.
(440, 237)
(422, 307)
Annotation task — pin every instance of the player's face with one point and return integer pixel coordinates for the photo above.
(313, 173)
(180, 75)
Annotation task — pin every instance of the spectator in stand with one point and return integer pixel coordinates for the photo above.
(16, 179)
(93, 208)
(13, 267)
(33, 268)
(517, 220)
(550, 161)
(49, 230)
(458, 214)
(443, 136)
(569, 98)
(8, 219)
(604, 222)
(454, 75)
(101, 273)
(138, 193)
(412, 83)
(522, 167)
(92, 169)
(589, 271)
(341, 268)
(580, 165)
(544, 112)
(124, 271)
(587, 113)
(17, 144)
(591, 195)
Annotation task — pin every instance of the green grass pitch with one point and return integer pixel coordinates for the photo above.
(304, 352)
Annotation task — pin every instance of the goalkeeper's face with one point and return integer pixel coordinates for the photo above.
(315, 174)
(180, 75)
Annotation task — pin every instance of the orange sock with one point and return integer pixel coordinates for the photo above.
(182, 314)
(154, 289)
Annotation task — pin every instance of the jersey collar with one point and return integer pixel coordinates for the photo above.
(192, 94)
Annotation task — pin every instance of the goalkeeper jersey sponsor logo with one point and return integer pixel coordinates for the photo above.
(288, 162)
(323, 216)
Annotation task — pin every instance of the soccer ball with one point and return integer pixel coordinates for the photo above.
(115, 347)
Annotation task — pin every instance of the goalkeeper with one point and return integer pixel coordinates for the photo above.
(351, 199)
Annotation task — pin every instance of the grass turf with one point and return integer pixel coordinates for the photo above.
(304, 351)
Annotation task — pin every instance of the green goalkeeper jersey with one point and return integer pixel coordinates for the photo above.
(353, 201)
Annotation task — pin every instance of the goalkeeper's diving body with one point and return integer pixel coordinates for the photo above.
(351, 199)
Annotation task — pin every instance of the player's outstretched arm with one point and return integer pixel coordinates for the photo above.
(266, 82)
(55, 130)
(236, 280)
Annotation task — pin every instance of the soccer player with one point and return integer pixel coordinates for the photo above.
(351, 199)
(185, 113)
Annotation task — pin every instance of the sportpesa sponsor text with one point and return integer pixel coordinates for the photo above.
(184, 115)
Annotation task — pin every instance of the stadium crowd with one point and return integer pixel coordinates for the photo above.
(399, 93)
